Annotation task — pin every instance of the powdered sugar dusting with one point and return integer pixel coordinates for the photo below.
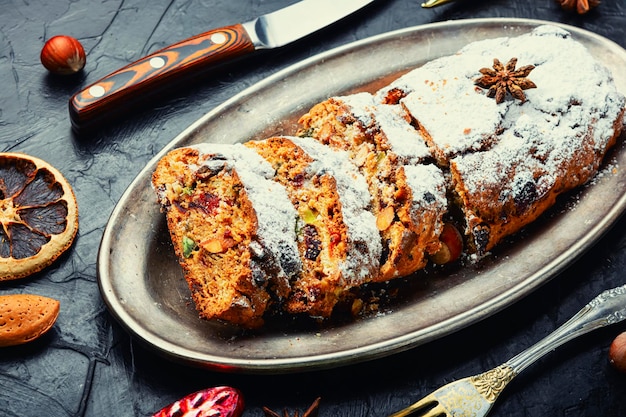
(392, 120)
(405, 141)
(276, 215)
(542, 135)
(446, 105)
(460, 118)
(360, 106)
(429, 189)
(365, 248)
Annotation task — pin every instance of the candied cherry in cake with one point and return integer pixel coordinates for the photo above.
(207, 202)
(451, 245)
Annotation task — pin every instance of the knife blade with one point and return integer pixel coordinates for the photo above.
(151, 73)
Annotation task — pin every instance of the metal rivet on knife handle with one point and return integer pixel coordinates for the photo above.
(118, 89)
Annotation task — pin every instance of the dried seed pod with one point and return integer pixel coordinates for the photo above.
(210, 402)
(580, 6)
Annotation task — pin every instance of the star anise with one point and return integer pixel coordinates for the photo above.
(310, 412)
(581, 6)
(505, 78)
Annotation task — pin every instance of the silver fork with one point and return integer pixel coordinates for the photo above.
(475, 395)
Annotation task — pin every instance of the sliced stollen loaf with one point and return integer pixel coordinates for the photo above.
(510, 160)
(338, 240)
(233, 230)
(360, 194)
(381, 143)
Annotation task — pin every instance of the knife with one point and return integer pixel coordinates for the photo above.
(121, 88)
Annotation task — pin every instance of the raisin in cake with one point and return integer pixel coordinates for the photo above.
(382, 143)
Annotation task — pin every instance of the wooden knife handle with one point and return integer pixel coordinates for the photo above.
(140, 78)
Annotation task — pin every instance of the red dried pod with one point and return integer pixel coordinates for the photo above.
(209, 402)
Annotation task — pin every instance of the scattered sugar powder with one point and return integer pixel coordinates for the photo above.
(275, 213)
(518, 150)
(447, 106)
(405, 141)
(402, 138)
(429, 188)
(360, 106)
(365, 248)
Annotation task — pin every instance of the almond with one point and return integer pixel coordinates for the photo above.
(25, 317)
(385, 218)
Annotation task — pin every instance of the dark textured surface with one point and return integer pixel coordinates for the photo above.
(88, 366)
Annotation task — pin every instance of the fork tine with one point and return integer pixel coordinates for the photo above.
(428, 404)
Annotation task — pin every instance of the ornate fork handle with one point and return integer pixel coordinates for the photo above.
(475, 395)
(607, 308)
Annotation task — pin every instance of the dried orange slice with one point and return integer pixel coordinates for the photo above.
(38, 215)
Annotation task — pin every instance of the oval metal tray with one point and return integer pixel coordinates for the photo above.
(142, 283)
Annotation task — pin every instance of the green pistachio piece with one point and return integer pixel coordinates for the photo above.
(188, 246)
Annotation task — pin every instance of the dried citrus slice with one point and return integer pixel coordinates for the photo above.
(38, 213)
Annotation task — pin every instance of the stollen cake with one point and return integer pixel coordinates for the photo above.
(381, 143)
(485, 139)
(233, 229)
(509, 160)
(336, 230)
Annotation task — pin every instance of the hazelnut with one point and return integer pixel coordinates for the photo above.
(63, 55)
(617, 352)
